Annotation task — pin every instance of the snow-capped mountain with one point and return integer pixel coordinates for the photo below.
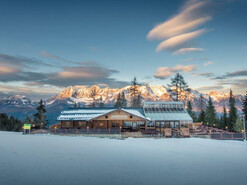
(17, 100)
(21, 106)
(148, 93)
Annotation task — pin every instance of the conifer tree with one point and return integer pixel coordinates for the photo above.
(40, 117)
(135, 94)
(221, 124)
(238, 126)
(201, 117)
(123, 100)
(93, 95)
(179, 84)
(210, 116)
(245, 108)
(118, 103)
(224, 118)
(191, 112)
(10, 123)
(232, 113)
(101, 103)
(28, 120)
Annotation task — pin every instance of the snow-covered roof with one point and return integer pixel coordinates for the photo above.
(170, 111)
(184, 116)
(163, 103)
(86, 114)
(135, 112)
(77, 117)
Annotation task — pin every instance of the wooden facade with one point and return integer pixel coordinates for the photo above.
(115, 119)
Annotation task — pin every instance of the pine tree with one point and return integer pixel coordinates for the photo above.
(224, 118)
(40, 117)
(238, 127)
(135, 94)
(221, 124)
(28, 120)
(118, 103)
(123, 100)
(191, 112)
(101, 103)
(201, 117)
(180, 85)
(245, 108)
(210, 116)
(10, 123)
(232, 113)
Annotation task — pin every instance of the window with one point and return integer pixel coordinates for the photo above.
(127, 124)
(176, 124)
(172, 124)
(141, 123)
(150, 124)
(82, 124)
(134, 125)
(167, 124)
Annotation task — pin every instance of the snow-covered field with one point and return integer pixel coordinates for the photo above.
(66, 160)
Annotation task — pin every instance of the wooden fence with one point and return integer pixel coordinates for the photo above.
(227, 136)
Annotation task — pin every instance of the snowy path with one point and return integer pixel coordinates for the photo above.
(65, 160)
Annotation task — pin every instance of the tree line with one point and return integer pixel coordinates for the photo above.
(9, 123)
(228, 120)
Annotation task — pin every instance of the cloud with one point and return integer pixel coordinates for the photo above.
(165, 72)
(183, 51)
(175, 42)
(83, 73)
(180, 29)
(210, 88)
(20, 61)
(204, 74)
(239, 84)
(189, 18)
(208, 63)
(241, 73)
(5, 70)
(191, 59)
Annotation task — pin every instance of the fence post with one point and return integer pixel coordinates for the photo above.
(232, 135)
(98, 130)
(109, 130)
(77, 131)
(221, 136)
(66, 131)
(55, 131)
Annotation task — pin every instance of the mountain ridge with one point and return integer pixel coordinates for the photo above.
(21, 106)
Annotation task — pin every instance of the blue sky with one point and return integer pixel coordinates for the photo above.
(47, 45)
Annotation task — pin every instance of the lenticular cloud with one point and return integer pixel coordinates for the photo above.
(181, 28)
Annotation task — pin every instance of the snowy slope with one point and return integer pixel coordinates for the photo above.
(49, 160)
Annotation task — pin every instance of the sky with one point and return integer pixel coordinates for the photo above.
(46, 46)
